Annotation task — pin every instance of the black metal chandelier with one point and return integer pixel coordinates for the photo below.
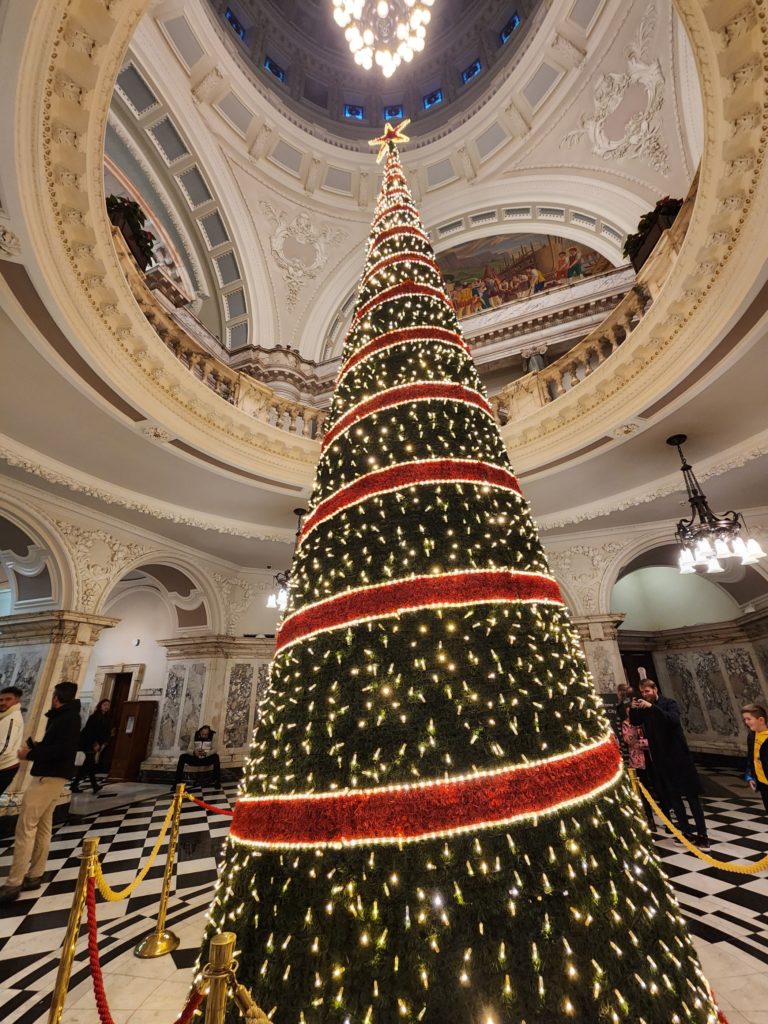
(278, 596)
(708, 537)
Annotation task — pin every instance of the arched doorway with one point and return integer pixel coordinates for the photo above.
(703, 637)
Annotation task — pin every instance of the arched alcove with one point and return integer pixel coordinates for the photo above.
(27, 583)
(703, 636)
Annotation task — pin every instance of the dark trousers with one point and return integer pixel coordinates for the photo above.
(88, 767)
(694, 803)
(762, 789)
(7, 775)
(210, 761)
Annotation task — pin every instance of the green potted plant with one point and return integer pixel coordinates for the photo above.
(639, 246)
(127, 215)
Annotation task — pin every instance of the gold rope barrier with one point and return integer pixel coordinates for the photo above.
(87, 866)
(722, 865)
(162, 940)
(112, 895)
(221, 975)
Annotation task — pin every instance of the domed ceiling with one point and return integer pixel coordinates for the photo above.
(300, 53)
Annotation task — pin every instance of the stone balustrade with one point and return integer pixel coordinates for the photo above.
(196, 349)
(524, 396)
(204, 356)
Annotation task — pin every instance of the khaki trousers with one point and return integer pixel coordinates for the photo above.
(33, 829)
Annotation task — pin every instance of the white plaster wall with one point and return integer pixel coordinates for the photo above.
(659, 597)
(5, 601)
(144, 616)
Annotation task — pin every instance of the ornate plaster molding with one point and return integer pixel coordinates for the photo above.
(99, 558)
(10, 243)
(733, 458)
(236, 594)
(642, 137)
(301, 231)
(39, 465)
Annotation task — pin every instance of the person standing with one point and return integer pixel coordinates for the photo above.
(11, 734)
(53, 762)
(674, 773)
(93, 738)
(755, 718)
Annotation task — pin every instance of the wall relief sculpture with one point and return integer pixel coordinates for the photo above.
(641, 136)
(299, 249)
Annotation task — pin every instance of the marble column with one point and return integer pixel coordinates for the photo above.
(40, 649)
(599, 638)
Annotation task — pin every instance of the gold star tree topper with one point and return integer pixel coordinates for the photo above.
(391, 137)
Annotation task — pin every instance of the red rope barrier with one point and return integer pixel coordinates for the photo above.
(105, 1015)
(100, 995)
(209, 807)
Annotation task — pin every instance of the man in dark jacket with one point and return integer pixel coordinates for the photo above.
(674, 772)
(53, 761)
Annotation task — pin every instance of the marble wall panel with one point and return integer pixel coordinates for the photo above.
(684, 687)
(8, 659)
(192, 704)
(169, 718)
(715, 695)
(262, 683)
(743, 677)
(238, 705)
(761, 649)
(28, 665)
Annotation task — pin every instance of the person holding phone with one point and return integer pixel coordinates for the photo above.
(203, 755)
(674, 772)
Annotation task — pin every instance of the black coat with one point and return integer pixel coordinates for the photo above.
(97, 729)
(54, 755)
(672, 766)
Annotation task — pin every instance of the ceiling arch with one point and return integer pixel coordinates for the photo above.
(33, 561)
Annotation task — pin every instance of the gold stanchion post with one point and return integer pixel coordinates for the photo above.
(162, 941)
(219, 974)
(87, 866)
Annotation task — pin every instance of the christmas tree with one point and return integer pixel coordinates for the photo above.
(434, 824)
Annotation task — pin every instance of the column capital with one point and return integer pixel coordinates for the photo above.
(58, 626)
(599, 627)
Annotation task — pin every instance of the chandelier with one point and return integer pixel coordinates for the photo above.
(278, 597)
(384, 32)
(708, 537)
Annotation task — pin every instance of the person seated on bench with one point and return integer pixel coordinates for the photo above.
(202, 756)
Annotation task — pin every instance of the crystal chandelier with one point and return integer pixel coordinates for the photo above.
(708, 537)
(278, 597)
(384, 32)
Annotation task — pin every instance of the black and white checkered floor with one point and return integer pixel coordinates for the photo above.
(728, 912)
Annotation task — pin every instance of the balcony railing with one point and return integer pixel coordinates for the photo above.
(204, 356)
(198, 356)
(526, 395)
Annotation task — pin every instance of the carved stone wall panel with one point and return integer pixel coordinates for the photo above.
(192, 705)
(238, 705)
(743, 676)
(22, 666)
(683, 684)
(169, 716)
(715, 695)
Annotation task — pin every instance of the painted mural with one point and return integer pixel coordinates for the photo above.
(489, 272)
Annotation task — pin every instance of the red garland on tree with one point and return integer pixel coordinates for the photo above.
(434, 825)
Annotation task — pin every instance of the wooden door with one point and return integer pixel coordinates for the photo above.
(132, 740)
